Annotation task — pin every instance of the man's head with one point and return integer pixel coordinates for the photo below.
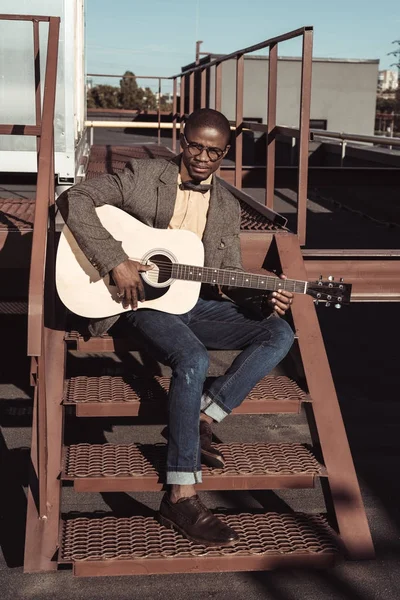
(204, 142)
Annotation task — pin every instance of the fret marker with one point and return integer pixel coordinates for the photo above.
(233, 279)
(246, 279)
(213, 280)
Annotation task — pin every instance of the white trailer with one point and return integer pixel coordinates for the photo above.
(17, 94)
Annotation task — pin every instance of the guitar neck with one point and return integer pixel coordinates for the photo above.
(237, 279)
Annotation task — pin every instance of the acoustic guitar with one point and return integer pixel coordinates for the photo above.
(173, 284)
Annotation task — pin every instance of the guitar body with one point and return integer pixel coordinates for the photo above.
(85, 293)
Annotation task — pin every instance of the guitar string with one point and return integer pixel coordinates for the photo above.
(166, 265)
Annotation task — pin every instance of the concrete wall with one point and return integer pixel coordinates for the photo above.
(343, 92)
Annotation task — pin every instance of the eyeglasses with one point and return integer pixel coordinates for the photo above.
(195, 149)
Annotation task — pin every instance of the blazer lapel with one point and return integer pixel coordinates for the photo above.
(166, 194)
(215, 224)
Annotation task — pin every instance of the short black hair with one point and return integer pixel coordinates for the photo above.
(208, 117)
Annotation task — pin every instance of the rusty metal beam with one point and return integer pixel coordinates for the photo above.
(239, 120)
(174, 115)
(345, 491)
(159, 112)
(287, 176)
(271, 123)
(203, 89)
(39, 238)
(42, 533)
(36, 66)
(191, 93)
(305, 105)
(373, 280)
(24, 18)
(275, 40)
(33, 130)
(218, 86)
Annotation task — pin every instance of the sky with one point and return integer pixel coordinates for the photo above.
(157, 37)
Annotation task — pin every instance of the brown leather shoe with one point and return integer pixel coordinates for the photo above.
(195, 522)
(210, 455)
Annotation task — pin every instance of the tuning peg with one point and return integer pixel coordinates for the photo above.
(331, 278)
(327, 304)
(320, 278)
(316, 302)
(338, 306)
(341, 280)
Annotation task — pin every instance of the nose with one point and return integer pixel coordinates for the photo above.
(203, 156)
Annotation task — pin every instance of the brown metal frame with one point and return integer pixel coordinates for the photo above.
(47, 370)
(302, 132)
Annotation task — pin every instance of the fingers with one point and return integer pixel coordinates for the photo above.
(142, 268)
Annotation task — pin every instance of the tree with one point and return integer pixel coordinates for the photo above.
(103, 96)
(149, 100)
(165, 103)
(131, 95)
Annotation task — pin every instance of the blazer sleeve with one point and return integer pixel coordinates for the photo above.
(77, 207)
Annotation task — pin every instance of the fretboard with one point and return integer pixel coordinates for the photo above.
(237, 279)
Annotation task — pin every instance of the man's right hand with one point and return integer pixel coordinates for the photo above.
(129, 283)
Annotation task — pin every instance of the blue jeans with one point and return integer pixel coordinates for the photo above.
(181, 341)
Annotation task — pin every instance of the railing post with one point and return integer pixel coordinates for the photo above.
(38, 99)
(191, 92)
(239, 121)
(38, 258)
(218, 86)
(174, 115)
(182, 107)
(305, 103)
(203, 88)
(159, 112)
(271, 124)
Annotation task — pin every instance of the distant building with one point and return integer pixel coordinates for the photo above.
(388, 80)
(343, 91)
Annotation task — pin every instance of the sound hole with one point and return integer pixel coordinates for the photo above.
(162, 271)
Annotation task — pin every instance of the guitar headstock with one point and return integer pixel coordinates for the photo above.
(330, 291)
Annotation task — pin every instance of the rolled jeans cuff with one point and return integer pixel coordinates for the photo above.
(209, 407)
(183, 478)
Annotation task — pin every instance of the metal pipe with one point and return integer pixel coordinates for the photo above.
(191, 93)
(203, 88)
(271, 125)
(218, 86)
(24, 18)
(129, 124)
(181, 110)
(239, 121)
(36, 66)
(128, 76)
(305, 103)
(174, 115)
(159, 112)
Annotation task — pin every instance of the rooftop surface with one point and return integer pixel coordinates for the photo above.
(362, 346)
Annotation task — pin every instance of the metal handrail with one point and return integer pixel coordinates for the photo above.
(267, 43)
(44, 132)
(354, 137)
(187, 82)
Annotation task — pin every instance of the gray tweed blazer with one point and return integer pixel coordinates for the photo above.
(146, 189)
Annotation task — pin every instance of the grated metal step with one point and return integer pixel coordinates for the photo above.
(141, 467)
(130, 396)
(140, 545)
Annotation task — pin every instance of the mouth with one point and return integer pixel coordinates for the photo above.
(200, 169)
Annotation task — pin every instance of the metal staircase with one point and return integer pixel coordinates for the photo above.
(115, 544)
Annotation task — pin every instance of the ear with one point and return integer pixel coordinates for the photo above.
(227, 148)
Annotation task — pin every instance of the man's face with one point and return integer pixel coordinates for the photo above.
(199, 161)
